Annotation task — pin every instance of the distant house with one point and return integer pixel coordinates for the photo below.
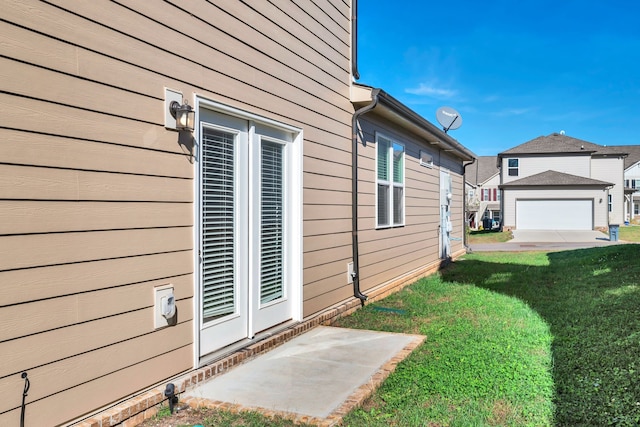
(560, 182)
(136, 249)
(631, 181)
(482, 179)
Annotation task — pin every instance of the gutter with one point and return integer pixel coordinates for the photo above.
(354, 194)
(450, 143)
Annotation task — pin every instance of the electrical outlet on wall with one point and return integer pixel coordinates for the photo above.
(350, 272)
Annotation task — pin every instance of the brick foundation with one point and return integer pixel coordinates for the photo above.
(135, 410)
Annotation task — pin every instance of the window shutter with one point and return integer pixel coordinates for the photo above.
(218, 221)
(271, 222)
(481, 195)
(495, 197)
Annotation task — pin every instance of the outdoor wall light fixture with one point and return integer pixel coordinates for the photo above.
(184, 115)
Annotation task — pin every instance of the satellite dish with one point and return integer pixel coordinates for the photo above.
(448, 118)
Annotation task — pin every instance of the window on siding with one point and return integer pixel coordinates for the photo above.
(390, 182)
(632, 183)
(426, 159)
(512, 167)
(610, 203)
(498, 195)
(636, 209)
(485, 194)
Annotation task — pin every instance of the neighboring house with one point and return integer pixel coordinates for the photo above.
(631, 181)
(110, 215)
(483, 195)
(560, 182)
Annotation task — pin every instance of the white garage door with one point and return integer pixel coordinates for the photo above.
(554, 214)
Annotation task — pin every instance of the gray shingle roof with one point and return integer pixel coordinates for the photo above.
(557, 143)
(484, 168)
(554, 178)
(634, 154)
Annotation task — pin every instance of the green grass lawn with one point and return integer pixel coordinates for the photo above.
(513, 339)
(630, 233)
(590, 298)
(487, 236)
(486, 360)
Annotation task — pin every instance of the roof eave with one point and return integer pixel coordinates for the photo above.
(394, 110)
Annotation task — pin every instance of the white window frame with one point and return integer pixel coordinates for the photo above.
(486, 195)
(426, 159)
(390, 183)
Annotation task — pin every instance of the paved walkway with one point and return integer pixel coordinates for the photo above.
(547, 240)
(316, 378)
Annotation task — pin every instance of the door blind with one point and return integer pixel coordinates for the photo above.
(271, 222)
(218, 222)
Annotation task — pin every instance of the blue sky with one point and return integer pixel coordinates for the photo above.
(514, 70)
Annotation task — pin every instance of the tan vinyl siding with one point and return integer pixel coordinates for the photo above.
(387, 254)
(97, 197)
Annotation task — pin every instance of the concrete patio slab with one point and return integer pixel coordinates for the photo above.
(317, 377)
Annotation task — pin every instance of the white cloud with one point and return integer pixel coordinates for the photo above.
(513, 112)
(424, 89)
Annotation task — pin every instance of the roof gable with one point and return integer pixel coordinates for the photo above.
(483, 169)
(562, 144)
(633, 154)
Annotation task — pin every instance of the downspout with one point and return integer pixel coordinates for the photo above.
(354, 40)
(354, 194)
(464, 203)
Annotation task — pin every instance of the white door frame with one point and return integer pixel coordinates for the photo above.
(293, 194)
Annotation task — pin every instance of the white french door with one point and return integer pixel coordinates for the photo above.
(247, 229)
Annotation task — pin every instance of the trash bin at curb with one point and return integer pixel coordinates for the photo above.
(613, 232)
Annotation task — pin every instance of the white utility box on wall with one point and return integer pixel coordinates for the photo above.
(164, 306)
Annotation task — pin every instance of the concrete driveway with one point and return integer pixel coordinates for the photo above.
(558, 236)
(547, 240)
